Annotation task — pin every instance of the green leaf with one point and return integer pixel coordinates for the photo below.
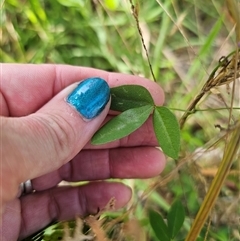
(176, 216)
(159, 226)
(129, 96)
(122, 125)
(167, 131)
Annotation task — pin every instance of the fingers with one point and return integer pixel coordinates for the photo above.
(44, 141)
(144, 162)
(31, 86)
(40, 209)
(140, 139)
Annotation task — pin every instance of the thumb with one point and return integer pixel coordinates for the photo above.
(44, 141)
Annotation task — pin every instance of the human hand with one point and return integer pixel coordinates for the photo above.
(44, 139)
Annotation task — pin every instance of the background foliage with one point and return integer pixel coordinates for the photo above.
(185, 40)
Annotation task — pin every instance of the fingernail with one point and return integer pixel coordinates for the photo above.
(90, 97)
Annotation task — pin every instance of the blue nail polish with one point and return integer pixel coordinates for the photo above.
(90, 97)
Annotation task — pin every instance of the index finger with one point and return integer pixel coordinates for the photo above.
(27, 87)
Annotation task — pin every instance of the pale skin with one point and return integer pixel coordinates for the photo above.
(47, 141)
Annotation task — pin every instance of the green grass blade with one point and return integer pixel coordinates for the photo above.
(205, 49)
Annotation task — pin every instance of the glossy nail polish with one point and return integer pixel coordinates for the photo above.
(90, 97)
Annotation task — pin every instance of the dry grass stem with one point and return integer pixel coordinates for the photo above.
(223, 74)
